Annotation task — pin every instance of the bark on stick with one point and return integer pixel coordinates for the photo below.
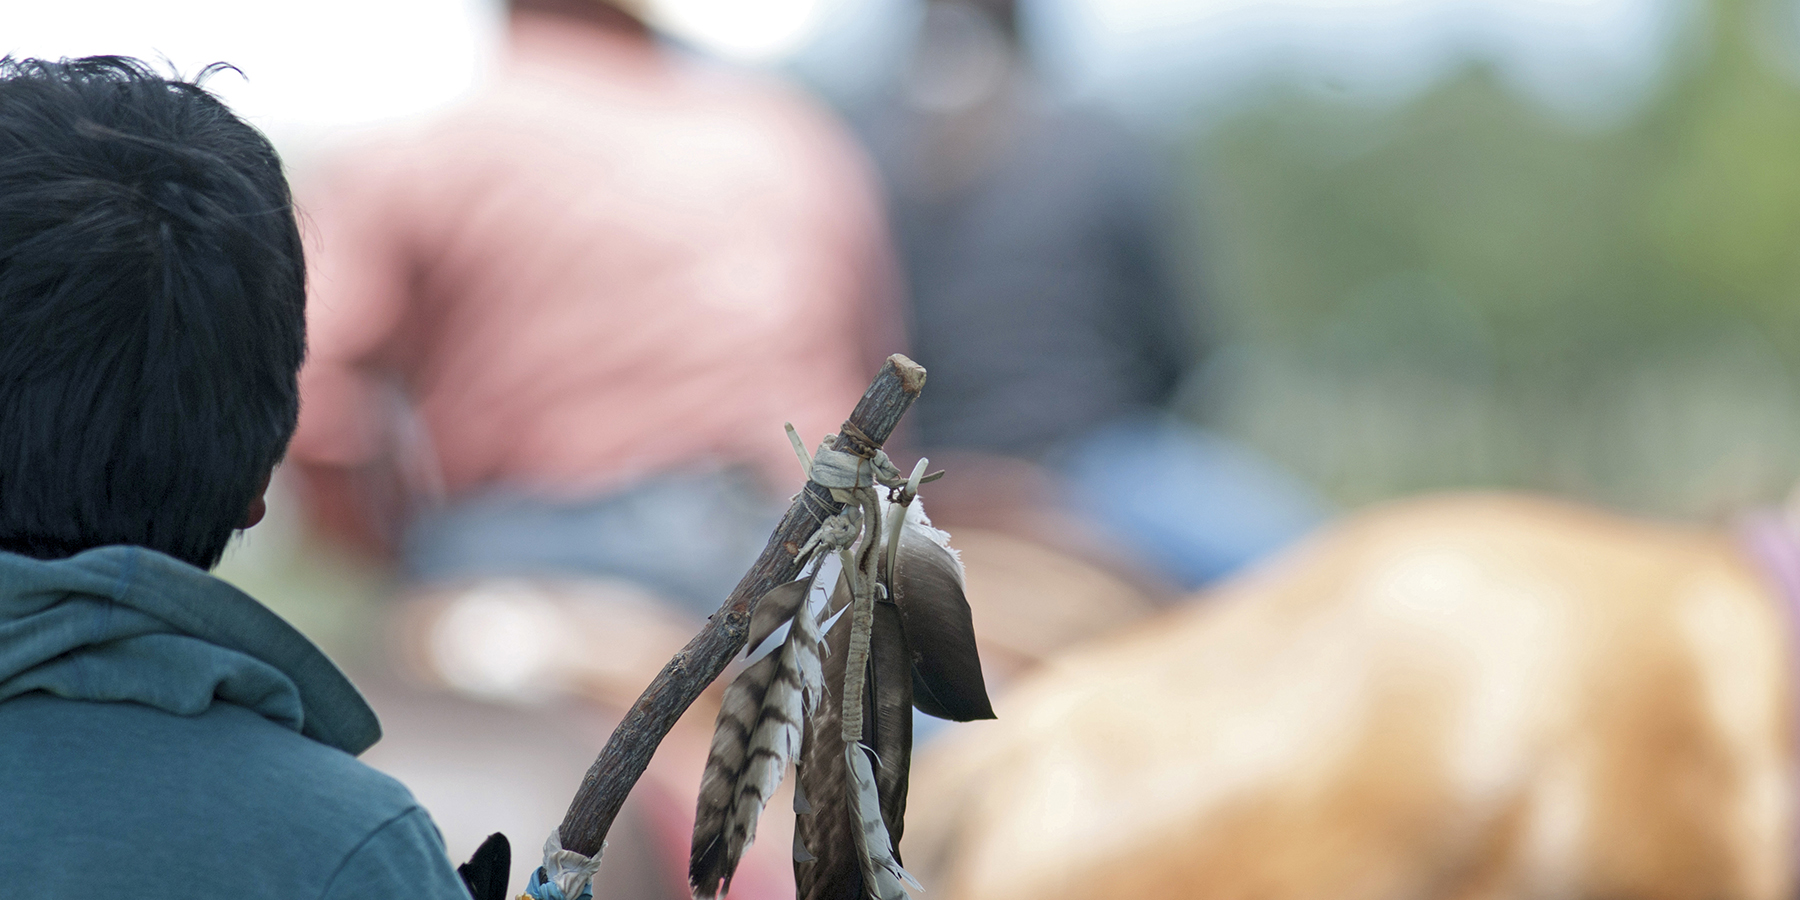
(628, 751)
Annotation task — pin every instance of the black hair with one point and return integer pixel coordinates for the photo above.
(152, 311)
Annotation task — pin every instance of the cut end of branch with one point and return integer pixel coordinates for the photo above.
(912, 375)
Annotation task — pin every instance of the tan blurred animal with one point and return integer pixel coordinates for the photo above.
(1462, 697)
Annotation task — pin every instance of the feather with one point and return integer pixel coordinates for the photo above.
(927, 587)
(836, 852)
(774, 608)
(830, 869)
(881, 872)
(839, 599)
(887, 728)
(758, 732)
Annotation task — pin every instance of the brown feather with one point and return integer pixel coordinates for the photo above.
(824, 828)
(940, 631)
(887, 719)
(828, 831)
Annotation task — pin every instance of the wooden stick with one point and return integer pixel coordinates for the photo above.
(628, 751)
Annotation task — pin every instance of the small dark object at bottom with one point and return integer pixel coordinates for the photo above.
(485, 872)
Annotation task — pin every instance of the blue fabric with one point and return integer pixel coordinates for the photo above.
(689, 537)
(539, 889)
(1196, 505)
(163, 735)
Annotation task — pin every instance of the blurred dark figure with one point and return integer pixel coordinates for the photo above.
(1046, 306)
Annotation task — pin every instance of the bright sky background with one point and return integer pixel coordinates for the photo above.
(310, 66)
(315, 67)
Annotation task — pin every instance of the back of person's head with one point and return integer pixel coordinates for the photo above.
(152, 311)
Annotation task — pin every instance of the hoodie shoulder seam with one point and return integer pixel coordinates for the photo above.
(364, 843)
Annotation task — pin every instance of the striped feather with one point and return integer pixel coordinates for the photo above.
(758, 733)
(775, 608)
(882, 876)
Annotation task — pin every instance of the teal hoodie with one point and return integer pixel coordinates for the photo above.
(163, 735)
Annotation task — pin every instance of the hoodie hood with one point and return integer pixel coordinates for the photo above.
(126, 624)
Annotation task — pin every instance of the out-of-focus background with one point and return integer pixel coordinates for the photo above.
(1541, 244)
(1528, 243)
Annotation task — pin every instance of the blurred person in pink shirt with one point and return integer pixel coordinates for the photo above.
(557, 330)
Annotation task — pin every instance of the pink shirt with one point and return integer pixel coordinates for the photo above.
(607, 265)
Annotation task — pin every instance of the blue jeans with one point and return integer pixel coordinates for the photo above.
(689, 537)
(1191, 502)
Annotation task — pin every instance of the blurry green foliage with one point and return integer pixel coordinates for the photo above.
(1468, 291)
